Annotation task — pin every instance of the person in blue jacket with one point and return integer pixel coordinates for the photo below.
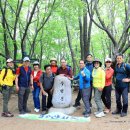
(84, 86)
(89, 66)
(122, 76)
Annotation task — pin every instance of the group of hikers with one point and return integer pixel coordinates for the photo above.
(92, 77)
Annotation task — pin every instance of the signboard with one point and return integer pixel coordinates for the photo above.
(55, 116)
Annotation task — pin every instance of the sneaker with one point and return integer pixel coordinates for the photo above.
(95, 113)
(36, 110)
(99, 115)
(123, 114)
(116, 112)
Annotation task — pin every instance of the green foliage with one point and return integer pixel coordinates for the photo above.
(52, 37)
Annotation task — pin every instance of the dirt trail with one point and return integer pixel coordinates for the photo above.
(109, 122)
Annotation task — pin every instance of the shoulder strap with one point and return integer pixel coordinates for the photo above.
(68, 69)
(124, 66)
(53, 75)
(5, 73)
(126, 70)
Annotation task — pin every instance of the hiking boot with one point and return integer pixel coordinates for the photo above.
(87, 112)
(11, 115)
(76, 105)
(116, 112)
(22, 112)
(28, 111)
(44, 112)
(123, 114)
(86, 115)
(6, 114)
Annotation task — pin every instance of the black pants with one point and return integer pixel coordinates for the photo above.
(106, 96)
(77, 101)
(23, 95)
(46, 103)
(124, 93)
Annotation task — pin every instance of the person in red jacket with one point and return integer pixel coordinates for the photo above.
(36, 73)
(53, 64)
(106, 94)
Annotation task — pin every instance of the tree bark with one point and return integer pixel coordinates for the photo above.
(70, 46)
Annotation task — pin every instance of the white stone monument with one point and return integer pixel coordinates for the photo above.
(62, 96)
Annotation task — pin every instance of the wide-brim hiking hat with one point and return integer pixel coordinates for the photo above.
(9, 60)
(97, 60)
(108, 59)
(26, 59)
(53, 59)
(36, 63)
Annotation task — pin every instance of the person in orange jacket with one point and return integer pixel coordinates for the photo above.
(106, 93)
(53, 65)
(36, 73)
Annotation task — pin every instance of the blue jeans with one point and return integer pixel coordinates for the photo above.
(36, 93)
(122, 106)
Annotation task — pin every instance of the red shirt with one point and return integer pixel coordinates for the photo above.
(54, 69)
(67, 72)
(109, 75)
(37, 77)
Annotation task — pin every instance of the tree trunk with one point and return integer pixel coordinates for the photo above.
(70, 46)
(81, 38)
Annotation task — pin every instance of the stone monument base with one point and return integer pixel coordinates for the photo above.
(67, 111)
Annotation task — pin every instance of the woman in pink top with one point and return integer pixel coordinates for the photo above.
(106, 94)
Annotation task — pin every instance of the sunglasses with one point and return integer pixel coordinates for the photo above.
(108, 61)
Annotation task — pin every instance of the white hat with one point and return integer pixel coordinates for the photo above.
(108, 59)
(26, 59)
(9, 60)
(36, 63)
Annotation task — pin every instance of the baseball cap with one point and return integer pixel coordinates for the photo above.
(26, 59)
(9, 60)
(108, 59)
